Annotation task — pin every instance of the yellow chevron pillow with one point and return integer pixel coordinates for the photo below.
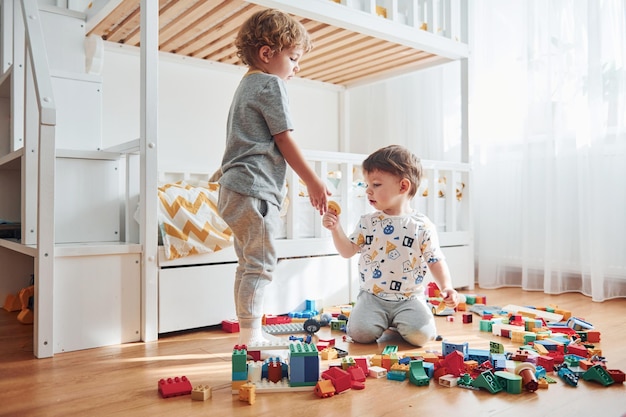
(189, 221)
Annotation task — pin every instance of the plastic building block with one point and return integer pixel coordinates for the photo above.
(363, 364)
(238, 364)
(340, 352)
(498, 361)
(247, 393)
(617, 375)
(417, 374)
(324, 388)
(598, 374)
(338, 325)
(356, 373)
(393, 375)
(265, 386)
(274, 371)
(478, 355)
(448, 381)
(495, 347)
(377, 372)
(527, 372)
(579, 324)
(304, 365)
(447, 348)
(201, 393)
(466, 381)
(567, 375)
(578, 350)
(230, 326)
(389, 349)
(533, 312)
(485, 326)
(487, 381)
(454, 363)
(510, 382)
(329, 353)
(358, 385)
(467, 318)
(272, 319)
(255, 371)
(284, 328)
(172, 387)
(341, 379)
(331, 342)
(400, 367)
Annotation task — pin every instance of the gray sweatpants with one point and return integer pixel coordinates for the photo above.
(371, 316)
(254, 223)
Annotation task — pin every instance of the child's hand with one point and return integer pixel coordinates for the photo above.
(318, 195)
(330, 220)
(450, 297)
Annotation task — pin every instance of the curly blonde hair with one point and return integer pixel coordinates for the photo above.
(273, 28)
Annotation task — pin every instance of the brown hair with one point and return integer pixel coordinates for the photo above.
(273, 28)
(398, 161)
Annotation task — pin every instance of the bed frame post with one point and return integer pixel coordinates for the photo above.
(148, 167)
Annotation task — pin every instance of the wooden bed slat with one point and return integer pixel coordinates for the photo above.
(206, 29)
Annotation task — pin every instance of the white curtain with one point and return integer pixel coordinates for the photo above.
(548, 136)
(548, 129)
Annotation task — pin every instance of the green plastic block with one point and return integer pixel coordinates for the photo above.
(598, 374)
(495, 347)
(347, 362)
(511, 383)
(465, 379)
(302, 349)
(389, 349)
(487, 380)
(485, 325)
(239, 360)
(417, 373)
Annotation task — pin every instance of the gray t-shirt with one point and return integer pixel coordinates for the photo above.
(252, 163)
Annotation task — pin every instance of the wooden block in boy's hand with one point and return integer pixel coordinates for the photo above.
(334, 207)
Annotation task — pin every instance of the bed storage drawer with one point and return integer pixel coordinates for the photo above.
(195, 296)
(461, 263)
(325, 279)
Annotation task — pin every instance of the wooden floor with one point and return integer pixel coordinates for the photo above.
(122, 380)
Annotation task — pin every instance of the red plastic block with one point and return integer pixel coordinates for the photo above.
(171, 387)
(272, 319)
(578, 350)
(617, 375)
(340, 379)
(331, 342)
(362, 362)
(356, 373)
(230, 326)
(593, 336)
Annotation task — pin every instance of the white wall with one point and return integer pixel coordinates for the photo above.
(194, 97)
(420, 110)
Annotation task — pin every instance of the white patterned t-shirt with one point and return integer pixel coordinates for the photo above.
(395, 252)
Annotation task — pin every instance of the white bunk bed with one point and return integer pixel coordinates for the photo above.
(154, 294)
(309, 264)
